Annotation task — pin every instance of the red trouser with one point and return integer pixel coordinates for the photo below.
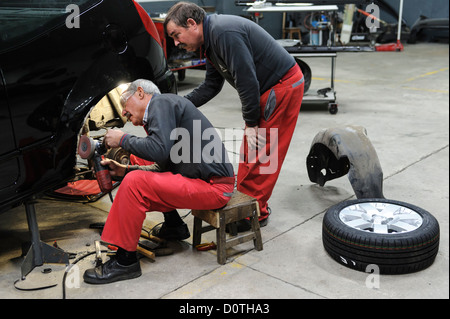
(143, 191)
(258, 170)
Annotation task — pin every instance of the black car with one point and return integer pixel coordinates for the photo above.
(58, 59)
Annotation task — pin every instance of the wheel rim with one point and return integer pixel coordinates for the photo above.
(380, 218)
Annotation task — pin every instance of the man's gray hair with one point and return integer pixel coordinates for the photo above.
(148, 86)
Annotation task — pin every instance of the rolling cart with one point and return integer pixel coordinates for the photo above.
(325, 95)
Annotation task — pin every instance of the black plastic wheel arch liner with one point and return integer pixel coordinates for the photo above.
(337, 151)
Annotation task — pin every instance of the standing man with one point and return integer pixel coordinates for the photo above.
(268, 80)
(192, 171)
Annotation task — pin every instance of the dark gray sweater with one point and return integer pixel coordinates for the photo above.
(180, 140)
(241, 52)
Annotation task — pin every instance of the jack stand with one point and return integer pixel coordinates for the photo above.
(39, 252)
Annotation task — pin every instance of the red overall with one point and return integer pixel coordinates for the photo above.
(144, 191)
(258, 170)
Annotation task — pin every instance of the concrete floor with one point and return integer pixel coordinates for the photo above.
(401, 98)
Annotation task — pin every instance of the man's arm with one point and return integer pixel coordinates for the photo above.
(157, 145)
(236, 53)
(209, 88)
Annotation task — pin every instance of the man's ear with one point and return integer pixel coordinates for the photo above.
(191, 23)
(141, 93)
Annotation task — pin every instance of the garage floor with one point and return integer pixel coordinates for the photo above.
(401, 98)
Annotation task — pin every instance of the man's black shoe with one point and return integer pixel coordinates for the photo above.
(179, 232)
(111, 271)
(244, 225)
(264, 222)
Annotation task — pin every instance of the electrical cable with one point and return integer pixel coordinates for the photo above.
(75, 262)
(103, 251)
(32, 289)
(64, 276)
(70, 266)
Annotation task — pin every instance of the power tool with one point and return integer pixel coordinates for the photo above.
(90, 149)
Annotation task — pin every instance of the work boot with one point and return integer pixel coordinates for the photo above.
(179, 232)
(244, 225)
(111, 271)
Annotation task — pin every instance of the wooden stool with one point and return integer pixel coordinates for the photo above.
(239, 207)
(291, 32)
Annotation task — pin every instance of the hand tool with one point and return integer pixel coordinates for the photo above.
(206, 246)
(98, 254)
(90, 149)
(146, 234)
(146, 253)
(159, 249)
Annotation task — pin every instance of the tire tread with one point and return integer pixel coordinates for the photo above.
(393, 253)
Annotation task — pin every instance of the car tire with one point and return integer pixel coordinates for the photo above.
(307, 74)
(394, 236)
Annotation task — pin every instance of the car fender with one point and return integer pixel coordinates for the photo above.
(121, 56)
(90, 87)
(337, 151)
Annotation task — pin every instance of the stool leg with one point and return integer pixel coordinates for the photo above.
(221, 241)
(197, 236)
(257, 241)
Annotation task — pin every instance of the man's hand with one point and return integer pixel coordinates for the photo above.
(112, 138)
(254, 139)
(115, 168)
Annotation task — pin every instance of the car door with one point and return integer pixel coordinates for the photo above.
(9, 169)
(34, 82)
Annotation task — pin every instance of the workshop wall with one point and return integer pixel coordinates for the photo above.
(413, 9)
(161, 6)
(271, 22)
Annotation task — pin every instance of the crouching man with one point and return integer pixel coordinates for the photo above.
(191, 171)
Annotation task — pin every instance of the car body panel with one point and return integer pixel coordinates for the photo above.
(340, 150)
(51, 80)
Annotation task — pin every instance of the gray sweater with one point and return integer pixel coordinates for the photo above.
(241, 52)
(180, 140)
